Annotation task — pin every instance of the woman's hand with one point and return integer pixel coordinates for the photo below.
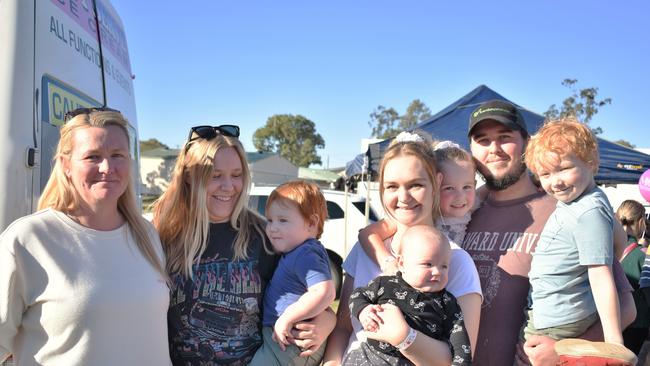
(310, 335)
(424, 351)
(393, 329)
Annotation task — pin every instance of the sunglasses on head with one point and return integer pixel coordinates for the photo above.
(75, 112)
(210, 132)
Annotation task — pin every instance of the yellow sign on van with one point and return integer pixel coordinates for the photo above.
(59, 98)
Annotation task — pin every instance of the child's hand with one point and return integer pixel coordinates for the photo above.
(370, 318)
(282, 332)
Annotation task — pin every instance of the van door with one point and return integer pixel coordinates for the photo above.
(67, 72)
(72, 71)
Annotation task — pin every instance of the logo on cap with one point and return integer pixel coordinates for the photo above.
(485, 110)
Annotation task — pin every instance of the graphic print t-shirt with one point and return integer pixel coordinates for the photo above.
(215, 318)
(501, 239)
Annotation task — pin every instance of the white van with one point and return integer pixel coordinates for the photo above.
(52, 61)
(346, 216)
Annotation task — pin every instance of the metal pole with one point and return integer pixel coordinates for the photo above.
(345, 220)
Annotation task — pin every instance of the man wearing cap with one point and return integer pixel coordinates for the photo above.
(504, 232)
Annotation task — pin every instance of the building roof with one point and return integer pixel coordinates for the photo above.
(164, 153)
(317, 174)
(253, 157)
(160, 152)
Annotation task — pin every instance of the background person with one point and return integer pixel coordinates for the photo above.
(631, 215)
(82, 281)
(409, 190)
(218, 256)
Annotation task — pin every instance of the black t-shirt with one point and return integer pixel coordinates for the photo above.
(215, 318)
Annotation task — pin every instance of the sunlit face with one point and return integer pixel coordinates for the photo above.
(457, 188)
(286, 227)
(498, 152)
(565, 177)
(408, 191)
(99, 164)
(425, 263)
(225, 185)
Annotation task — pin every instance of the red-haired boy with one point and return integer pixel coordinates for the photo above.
(302, 285)
(571, 272)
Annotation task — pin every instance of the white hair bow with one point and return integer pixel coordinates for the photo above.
(406, 136)
(446, 145)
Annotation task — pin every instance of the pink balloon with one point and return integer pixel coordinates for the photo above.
(644, 185)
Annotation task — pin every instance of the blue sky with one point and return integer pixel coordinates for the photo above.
(221, 62)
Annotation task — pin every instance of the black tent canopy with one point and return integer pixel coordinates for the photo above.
(618, 164)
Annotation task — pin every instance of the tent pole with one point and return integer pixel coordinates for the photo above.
(345, 221)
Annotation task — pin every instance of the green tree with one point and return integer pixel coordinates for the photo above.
(151, 144)
(387, 123)
(582, 104)
(416, 112)
(293, 137)
(384, 122)
(625, 143)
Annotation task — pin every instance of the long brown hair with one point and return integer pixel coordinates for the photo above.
(181, 214)
(60, 194)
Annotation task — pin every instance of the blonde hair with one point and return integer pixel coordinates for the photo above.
(629, 213)
(561, 137)
(61, 195)
(181, 213)
(452, 154)
(421, 149)
(306, 196)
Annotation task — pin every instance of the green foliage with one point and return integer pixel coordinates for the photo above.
(416, 112)
(293, 137)
(151, 144)
(625, 143)
(582, 104)
(387, 123)
(383, 122)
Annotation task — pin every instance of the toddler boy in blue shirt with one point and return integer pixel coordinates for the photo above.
(301, 286)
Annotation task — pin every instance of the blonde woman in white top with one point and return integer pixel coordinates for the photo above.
(82, 281)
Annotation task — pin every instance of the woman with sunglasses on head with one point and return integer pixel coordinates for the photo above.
(83, 281)
(631, 215)
(218, 256)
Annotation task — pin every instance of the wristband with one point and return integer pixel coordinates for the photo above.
(408, 341)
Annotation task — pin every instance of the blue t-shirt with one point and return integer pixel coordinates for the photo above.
(298, 270)
(578, 234)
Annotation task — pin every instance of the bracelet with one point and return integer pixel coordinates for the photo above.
(408, 341)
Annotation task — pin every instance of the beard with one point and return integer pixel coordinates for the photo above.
(499, 184)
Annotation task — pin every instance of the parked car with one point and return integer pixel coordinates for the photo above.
(346, 216)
